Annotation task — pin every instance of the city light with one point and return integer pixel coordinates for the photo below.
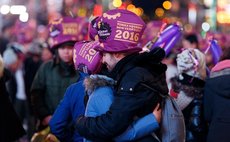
(130, 7)
(117, 3)
(192, 14)
(223, 17)
(23, 17)
(159, 12)
(5, 9)
(17, 9)
(205, 26)
(167, 5)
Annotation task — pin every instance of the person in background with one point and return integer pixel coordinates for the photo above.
(217, 100)
(171, 71)
(46, 54)
(100, 99)
(6, 34)
(13, 58)
(31, 64)
(187, 89)
(131, 70)
(53, 77)
(190, 41)
(11, 127)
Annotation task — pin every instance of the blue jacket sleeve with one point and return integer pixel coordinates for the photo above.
(61, 117)
(71, 106)
(139, 128)
(99, 102)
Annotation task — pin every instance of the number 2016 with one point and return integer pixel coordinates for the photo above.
(127, 35)
(90, 54)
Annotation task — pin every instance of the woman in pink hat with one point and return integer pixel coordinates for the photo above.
(54, 76)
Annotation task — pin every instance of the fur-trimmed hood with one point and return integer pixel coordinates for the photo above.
(95, 81)
(191, 86)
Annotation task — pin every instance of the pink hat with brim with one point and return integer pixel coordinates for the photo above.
(66, 29)
(118, 30)
(116, 48)
(85, 58)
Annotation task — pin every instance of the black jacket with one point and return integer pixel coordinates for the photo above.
(217, 105)
(194, 121)
(131, 99)
(10, 125)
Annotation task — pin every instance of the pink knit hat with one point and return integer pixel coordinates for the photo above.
(118, 30)
(85, 58)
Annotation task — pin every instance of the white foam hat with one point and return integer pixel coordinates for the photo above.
(192, 62)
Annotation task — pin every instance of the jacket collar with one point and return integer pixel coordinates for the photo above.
(221, 65)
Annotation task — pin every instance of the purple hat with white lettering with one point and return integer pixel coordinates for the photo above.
(66, 29)
(86, 58)
(118, 30)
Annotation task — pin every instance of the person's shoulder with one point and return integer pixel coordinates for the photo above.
(76, 85)
(74, 89)
(48, 64)
(103, 90)
(138, 71)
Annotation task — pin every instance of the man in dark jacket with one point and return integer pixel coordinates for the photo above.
(217, 100)
(119, 32)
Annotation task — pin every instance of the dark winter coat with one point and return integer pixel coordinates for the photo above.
(49, 86)
(10, 125)
(217, 104)
(131, 99)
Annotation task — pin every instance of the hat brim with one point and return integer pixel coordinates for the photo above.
(108, 49)
(62, 43)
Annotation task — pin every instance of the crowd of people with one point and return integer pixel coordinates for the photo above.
(84, 82)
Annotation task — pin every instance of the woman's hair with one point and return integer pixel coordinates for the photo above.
(226, 54)
(192, 38)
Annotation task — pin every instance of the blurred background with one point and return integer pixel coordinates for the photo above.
(23, 25)
(25, 20)
(207, 15)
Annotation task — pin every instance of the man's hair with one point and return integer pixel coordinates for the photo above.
(192, 38)
(226, 54)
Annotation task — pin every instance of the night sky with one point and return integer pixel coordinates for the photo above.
(148, 6)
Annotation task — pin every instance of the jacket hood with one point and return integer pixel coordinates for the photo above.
(152, 60)
(95, 81)
(192, 87)
(219, 82)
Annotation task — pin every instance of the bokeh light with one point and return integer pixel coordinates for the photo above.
(205, 26)
(5, 9)
(23, 17)
(117, 3)
(159, 12)
(167, 5)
